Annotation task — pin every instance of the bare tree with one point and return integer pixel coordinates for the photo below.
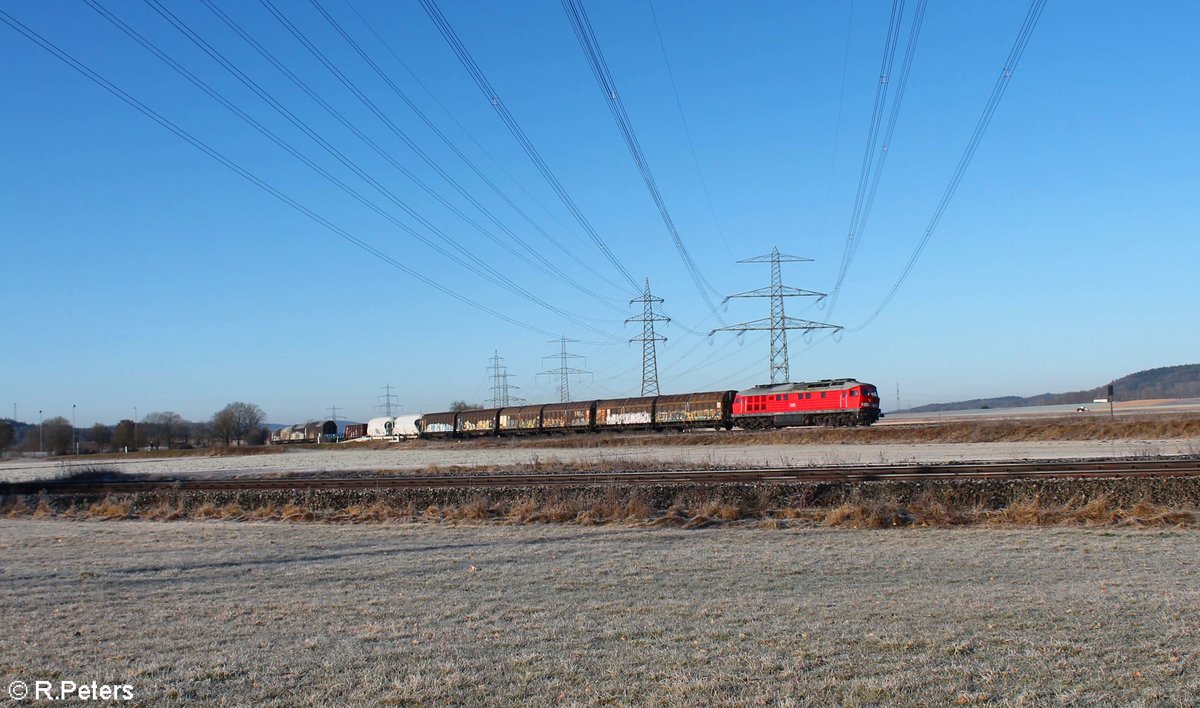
(249, 417)
(163, 427)
(201, 433)
(123, 435)
(100, 434)
(223, 424)
(6, 434)
(58, 435)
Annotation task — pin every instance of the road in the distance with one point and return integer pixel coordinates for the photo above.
(1185, 406)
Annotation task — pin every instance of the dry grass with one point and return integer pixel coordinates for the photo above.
(632, 506)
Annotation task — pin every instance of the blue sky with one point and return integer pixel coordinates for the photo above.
(137, 271)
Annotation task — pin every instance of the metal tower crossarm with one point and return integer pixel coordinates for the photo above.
(778, 323)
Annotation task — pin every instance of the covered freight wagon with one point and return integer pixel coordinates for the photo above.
(695, 410)
(355, 431)
(438, 424)
(478, 422)
(381, 428)
(407, 426)
(625, 413)
(567, 417)
(521, 419)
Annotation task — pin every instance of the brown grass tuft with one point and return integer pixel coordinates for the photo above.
(110, 509)
(868, 515)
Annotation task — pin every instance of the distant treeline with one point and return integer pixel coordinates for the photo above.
(236, 424)
(1165, 382)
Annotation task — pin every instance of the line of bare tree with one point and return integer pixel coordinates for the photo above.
(238, 423)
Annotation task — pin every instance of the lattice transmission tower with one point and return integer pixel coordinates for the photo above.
(778, 323)
(648, 339)
(386, 403)
(563, 372)
(501, 388)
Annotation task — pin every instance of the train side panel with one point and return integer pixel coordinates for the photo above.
(625, 413)
(520, 419)
(438, 425)
(568, 417)
(695, 410)
(478, 422)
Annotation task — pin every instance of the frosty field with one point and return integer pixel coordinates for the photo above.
(315, 614)
(447, 455)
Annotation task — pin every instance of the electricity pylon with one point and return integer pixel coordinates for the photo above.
(563, 371)
(500, 385)
(387, 397)
(778, 323)
(648, 339)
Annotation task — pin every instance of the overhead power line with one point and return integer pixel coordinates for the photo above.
(433, 164)
(877, 108)
(466, 257)
(200, 145)
(506, 116)
(604, 79)
(712, 210)
(1010, 66)
(858, 230)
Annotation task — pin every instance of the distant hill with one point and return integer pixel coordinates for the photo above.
(1166, 382)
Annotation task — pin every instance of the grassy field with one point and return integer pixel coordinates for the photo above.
(278, 613)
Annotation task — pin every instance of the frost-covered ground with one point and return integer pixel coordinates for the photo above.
(466, 455)
(317, 614)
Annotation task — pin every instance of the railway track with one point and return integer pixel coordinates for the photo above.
(1007, 470)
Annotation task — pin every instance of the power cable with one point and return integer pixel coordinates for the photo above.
(195, 142)
(885, 146)
(1010, 65)
(449, 114)
(481, 81)
(480, 268)
(433, 164)
(604, 80)
(881, 88)
(687, 131)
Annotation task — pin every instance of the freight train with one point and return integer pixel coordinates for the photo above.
(830, 402)
(323, 431)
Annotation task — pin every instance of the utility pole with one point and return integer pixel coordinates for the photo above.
(563, 371)
(648, 339)
(501, 388)
(74, 432)
(778, 323)
(41, 425)
(387, 397)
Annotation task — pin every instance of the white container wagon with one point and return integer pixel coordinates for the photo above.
(393, 428)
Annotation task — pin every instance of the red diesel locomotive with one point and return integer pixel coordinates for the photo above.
(836, 402)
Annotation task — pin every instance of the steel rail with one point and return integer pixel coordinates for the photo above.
(1091, 469)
